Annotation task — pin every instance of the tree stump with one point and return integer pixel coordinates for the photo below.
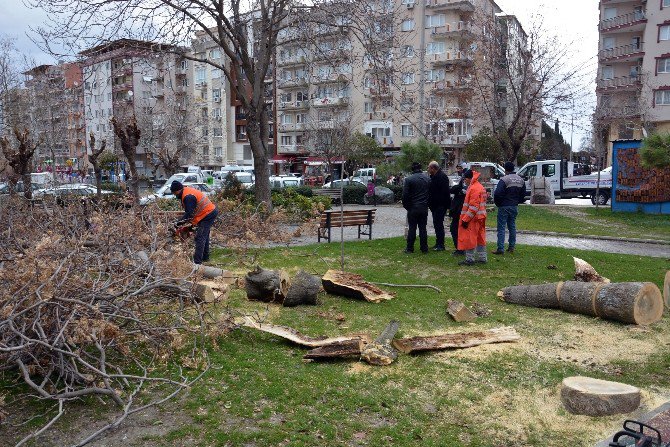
(304, 290)
(666, 289)
(630, 302)
(594, 397)
(266, 285)
(353, 286)
(577, 297)
(544, 296)
(380, 352)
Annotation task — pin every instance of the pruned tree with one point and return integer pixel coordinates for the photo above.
(129, 138)
(20, 158)
(95, 159)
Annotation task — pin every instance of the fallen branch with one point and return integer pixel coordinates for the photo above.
(456, 341)
(341, 349)
(351, 285)
(298, 338)
(46, 427)
(418, 286)
(381, 352)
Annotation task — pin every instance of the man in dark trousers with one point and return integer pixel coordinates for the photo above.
(458, 190)
(199, 212)
(439, 201)
(415, 201)
(510, 192)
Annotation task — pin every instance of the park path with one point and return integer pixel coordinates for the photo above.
(390, 222)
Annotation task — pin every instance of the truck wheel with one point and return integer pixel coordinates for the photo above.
(603, 197)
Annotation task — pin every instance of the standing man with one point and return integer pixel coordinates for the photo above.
(458, 191)
(472, 231)
(510, 192)
(439, 201)
(415, 201)
(200, 213)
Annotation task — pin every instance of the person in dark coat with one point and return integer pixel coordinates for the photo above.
(415, 201)
(439, 201)
(509, 193)
(458, 191)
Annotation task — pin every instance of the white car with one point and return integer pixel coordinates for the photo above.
(285, 181)
(70, 189)
(345, 182)
(165, 193)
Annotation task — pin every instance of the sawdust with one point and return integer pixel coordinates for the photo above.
(359, 368)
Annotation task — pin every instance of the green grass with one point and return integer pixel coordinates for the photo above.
(584, 220)
(261, 393)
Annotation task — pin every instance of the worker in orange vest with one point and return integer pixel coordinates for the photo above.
(472, 230)
(199, 212)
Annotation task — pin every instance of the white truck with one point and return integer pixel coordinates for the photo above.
(565, 184)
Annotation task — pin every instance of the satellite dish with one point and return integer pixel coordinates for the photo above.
(130, 93)
(473, 47)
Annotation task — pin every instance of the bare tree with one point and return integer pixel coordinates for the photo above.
(129, 137)
(20, 159)
(94, 159)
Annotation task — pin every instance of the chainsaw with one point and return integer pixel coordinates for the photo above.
(181, 232)
(637, 434)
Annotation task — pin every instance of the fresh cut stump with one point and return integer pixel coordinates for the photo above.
(595, 397)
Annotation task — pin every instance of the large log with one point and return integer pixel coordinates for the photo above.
(298, 338)
(544, 295)
(578, 297)
(351, 285)
(456, 341)
(380, 352)
(586, 273)
(266, 285)
(666, 289)
(594, 397)
(304, 290)
(338, 350)
(630, 302)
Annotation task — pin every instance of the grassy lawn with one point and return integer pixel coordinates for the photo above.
(261, 393)
(585, 220)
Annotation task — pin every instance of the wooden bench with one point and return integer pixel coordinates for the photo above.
(335, 194)
(347, 218)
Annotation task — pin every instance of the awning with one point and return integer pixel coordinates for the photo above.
(281, 159)
(317, 161)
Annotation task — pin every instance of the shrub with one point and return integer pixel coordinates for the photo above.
(300, 206)
(397, 191)
(110, 186)
(354, 195)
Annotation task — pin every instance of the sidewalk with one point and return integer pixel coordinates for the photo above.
(390, 222)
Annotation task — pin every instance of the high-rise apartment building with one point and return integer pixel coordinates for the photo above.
(633, 86)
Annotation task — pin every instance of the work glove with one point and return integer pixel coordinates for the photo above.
(465, 224)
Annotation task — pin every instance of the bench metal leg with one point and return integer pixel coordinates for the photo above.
(370, 232)
(329, 235)
(359, 232)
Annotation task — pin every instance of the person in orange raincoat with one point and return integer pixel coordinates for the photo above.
(472, 224)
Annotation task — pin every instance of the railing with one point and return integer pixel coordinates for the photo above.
(620, 82)
(332, 77)
(465, 5)
(291, 148)
(622, 51)
(450, 57)
(291, 60)
(452, 28)
(297, 82)
(605, 113)
(330, 101)
(622, 20)
(290, 127)
(293, 105)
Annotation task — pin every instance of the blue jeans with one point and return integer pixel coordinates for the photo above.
(507, 217)
(202, 238)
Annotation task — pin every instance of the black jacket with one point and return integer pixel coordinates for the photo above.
(415, 192)
(511, 191)
(438, 194)
(458, 191)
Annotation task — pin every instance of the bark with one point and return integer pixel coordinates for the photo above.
(338, 350)
(459, 312)
(304, 290)
(298, 338)
(351, 285)
(456, 341)
(666, 289)
(578, 297)
(129, 137)
(261, 160)
(543, 296)
(586, 273)
(93, 159)
(381, 352)
(210, 272)
(267, 285)
(594, 397)
(21, 158)
(630, 302)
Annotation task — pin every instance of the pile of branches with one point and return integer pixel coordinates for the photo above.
(97, 303)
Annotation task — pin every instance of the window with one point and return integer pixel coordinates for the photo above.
(286, 140)
(608, 43)
(215, 54)
(301, 96)
(184, 65)
(407, 51)
(109, 96)
(216, 113)
(663, 64)
(200, 75)
(205, 151)
(203, 113)
(435, 75)
(608, 72)
(216, 73)
(216, 94)
(407, 25)
(548, 170)
(662, 98)
(435, 48)
(184, 82)
(436, 20)
(218, 151)
(301, 118)
(407, 78)
(286, 119)
(666, 4)
(368, 108)
(664, 32)
(609, 13)
(367, 82)
(218, 132)
(205, 131)
(407, 130)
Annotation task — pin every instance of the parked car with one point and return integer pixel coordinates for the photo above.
(165, 193)
(285, 181)
(70, 189)
(345, 182)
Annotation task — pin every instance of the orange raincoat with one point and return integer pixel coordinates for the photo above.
(474, 213)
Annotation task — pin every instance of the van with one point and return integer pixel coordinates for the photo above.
(220, 176)
(363, 175)
(285, 181)
(182, 177)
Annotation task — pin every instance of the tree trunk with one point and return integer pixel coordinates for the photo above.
(98, 181)
(578, 297)
(261, 163)
(595, 397)
(134, 178)
(27, 185)
(351, 285)
(266, 285)
(456, 341)
(543, 296)
(381, 352)
(340, 349)
(304, 290)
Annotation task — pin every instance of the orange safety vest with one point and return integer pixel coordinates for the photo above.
(204, 206)
(474, 206)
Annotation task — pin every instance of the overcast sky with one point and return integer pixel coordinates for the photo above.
(573, 21)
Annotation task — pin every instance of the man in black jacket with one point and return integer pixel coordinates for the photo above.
(439, 201)
(415, 201)
(510, 192)
(458, 191)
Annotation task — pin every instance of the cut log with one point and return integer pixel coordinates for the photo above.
(298, 338)
(210, 272)
(219, 290)
(304, 290)
(586, 273)
(351, 285)
(578, 297)
(594, 397)
(380, 352)
(456, 341)
(266, 285)
(544, 295)
(459, 312)
(630, 302)
(666, 289)
(339, 350)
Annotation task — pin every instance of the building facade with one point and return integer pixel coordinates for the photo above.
(633, 85)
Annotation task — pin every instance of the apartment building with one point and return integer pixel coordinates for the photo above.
(633, 85)
(410, 77)
(126, 78)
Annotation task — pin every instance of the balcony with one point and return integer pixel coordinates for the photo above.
(623, 83)
(201, 84)
(292, 60)
(450, 5)
(327, 30)
(294, 105)
(332, 54)
(122, 87)
(447, 87)
(380, 91)
(333, 77)
(330, 102)
(291, 149)
(625, 53)
(289, 83)
(292, 127)
(626, 23)
(618, 112)
(450, 58)
(454, 140)
(456, 29)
